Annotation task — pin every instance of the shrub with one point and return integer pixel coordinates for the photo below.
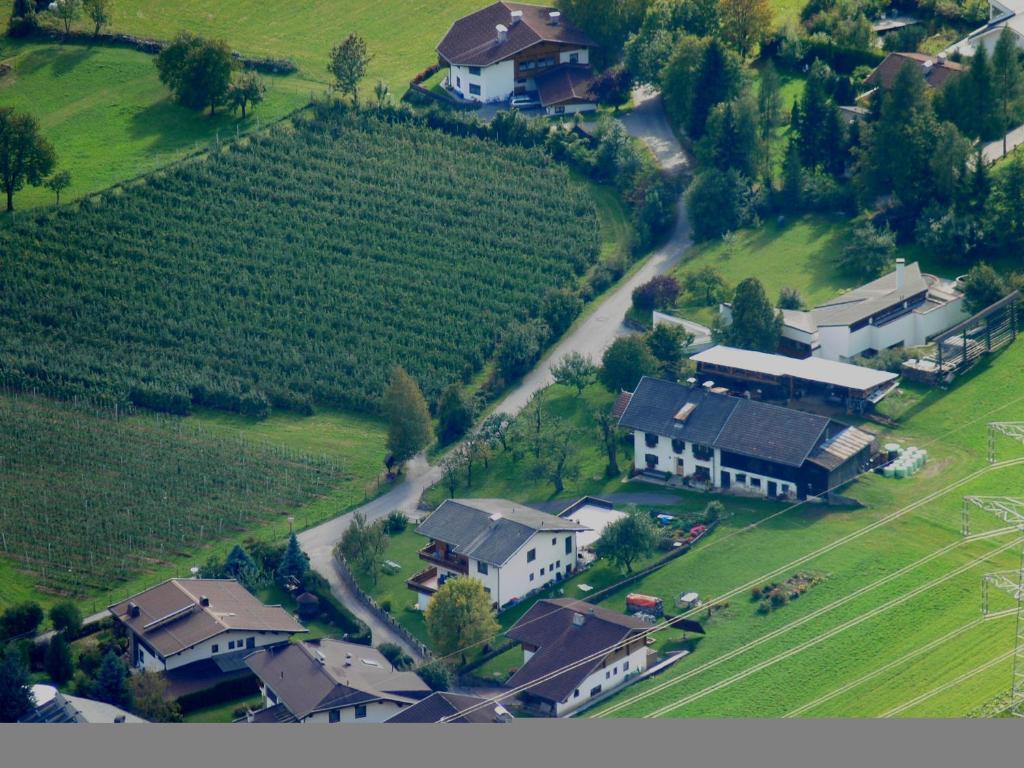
(21, 619)
(393, 652)
(385, 605)
(658, 293)
(435, 675)
(396, 522)
(764, 607)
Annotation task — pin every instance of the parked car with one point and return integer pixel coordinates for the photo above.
(524, 102)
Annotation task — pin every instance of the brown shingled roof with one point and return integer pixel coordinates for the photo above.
(565, 83)
(473, 41)
(936, 74)
(172, 619)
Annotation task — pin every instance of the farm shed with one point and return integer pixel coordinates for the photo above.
(856, 387)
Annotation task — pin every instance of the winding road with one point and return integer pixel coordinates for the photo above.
(591, 337)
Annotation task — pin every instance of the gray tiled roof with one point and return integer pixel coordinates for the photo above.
(747, 427)
(491, 530)
(863, 302)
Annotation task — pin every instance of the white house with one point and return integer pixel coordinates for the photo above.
(1002, 14)
(904, 308)
(183, 621)
(331, 681)
(707, 439)
(512, 548)
(565, 634)
(511, 49)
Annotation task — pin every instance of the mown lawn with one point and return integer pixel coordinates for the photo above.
(952, 426)
(223, 713)
(109, 117)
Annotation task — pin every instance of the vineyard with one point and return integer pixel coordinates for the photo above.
(88, 498)
(292, 268)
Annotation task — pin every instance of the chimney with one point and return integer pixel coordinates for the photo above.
(133, 611)
(204, 601)
(502, 31)
(554, 17)
(516, 17)
(578, 619)
(901, 273)
(942, 59)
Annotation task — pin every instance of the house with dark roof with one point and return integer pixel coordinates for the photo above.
(936, 71)
(330, 681)
(709, 439)
(512, 548)
(904, 308)
(574, 652)
(447, 707)
(190, 621)
(509, 49)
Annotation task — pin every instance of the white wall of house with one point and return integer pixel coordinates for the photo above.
(608, 678)
(495, 82)
(569, 109)
(670, 461)
(520, 576)
(376, 711)
(205, 649)
(911, 329)
(582, 56)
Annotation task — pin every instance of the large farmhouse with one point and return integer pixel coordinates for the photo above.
(331, 682)
(513, 549)
(511, 49)
(184, 621)
(734, 444)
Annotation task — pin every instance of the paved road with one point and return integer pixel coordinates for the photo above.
(993, 150)
(590, 337)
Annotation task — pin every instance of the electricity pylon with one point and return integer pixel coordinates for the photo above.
(1009, 510)
(1012, 429)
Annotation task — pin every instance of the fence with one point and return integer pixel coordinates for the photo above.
(371, 605)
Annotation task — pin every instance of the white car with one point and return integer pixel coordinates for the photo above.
(523, 102)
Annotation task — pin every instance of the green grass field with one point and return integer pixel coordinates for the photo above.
(110, 118)
(829, 646)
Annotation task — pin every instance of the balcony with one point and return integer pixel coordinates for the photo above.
(438, 554)
(424, 582)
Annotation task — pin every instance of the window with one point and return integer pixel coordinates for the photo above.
(250, 642)
(531, 555)
(474, 70)
(755, 482)
(554, 541)
(531, 577)
(678, 446)
(741, 478)
(574, 58)
(458, 81)
(615, 669)
(558, 564)
(784, 489)
(231, 644)
(215, 648)
(625, 665)
(541, 571)
(650, 440)
(607, 674)
(360, 711)
(481, 567)
(474, 89)
(568, 545)
(595, 690)
(334, 716)
(576, 693)
(487, 590)
(651, 459)
(703, 452)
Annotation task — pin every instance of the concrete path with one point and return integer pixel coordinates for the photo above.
(591, 337)
(993, 150)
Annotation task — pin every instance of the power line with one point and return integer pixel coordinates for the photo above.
(946, 686)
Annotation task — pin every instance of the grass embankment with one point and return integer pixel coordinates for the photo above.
(110, 118)
(837, 675)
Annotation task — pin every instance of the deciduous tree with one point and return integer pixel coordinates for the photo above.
(745, 23)
(98, 12)
(574, 370)
(409, 427)
(627, 540)
(454, 414)
(868, 250)
(607, 430)
(58, 182)
(67, 11)
(625, 362)
(149, 694)
(667, 343)
(460, 616)
(559, 453)
(348, 63)
(26, 157)
(197, 71)
(247, 91)
(66, 618)
(983, 287)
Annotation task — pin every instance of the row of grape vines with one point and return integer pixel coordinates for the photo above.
(295, 267)
(89, 497)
